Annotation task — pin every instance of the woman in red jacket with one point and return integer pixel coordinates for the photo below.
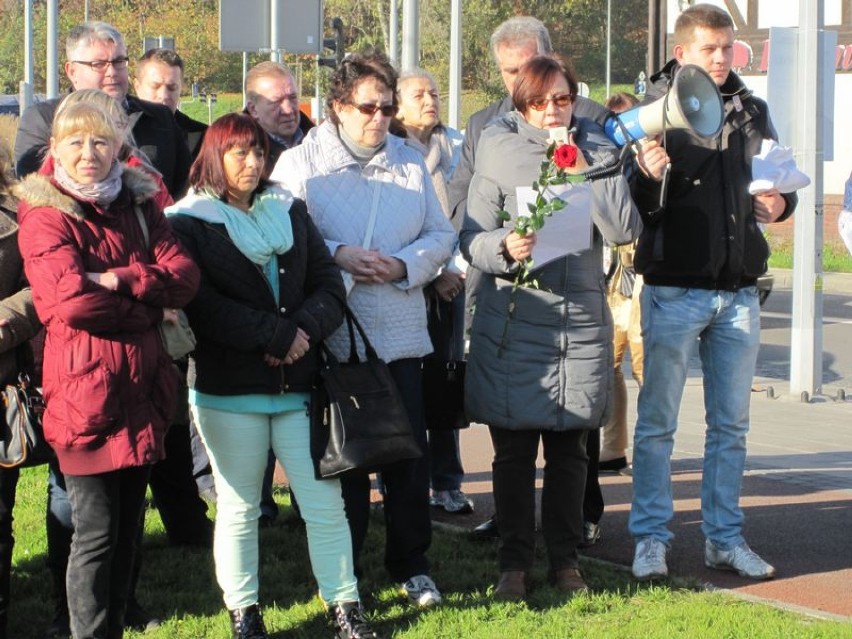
(101, 288)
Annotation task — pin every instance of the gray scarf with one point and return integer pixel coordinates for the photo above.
(102, 193)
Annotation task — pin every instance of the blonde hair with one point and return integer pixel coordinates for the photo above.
(86, 116)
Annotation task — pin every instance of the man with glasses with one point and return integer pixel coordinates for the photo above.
(97, 59)
(272, 100)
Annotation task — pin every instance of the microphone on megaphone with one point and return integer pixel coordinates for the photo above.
(693, 102)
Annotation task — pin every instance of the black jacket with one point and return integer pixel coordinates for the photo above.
(156, 133)
(236, 319)
(193, 132)
(707, 236)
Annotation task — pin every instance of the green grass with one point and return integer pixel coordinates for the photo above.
(199, 110)
(835, 258)
(179, 585)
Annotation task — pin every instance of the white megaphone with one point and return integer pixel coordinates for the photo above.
(693, 102)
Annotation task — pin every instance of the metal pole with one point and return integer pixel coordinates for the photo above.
(274, 55)
(608, 44)
(454, 100)
(806, 335)
(86, 11)
(410, 34)
(52, 78)
(393, 33)
(25, 97)
(245, 73)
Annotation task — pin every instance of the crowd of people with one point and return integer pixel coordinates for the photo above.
(265, 226)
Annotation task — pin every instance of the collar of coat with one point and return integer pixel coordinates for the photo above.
(335, 156)
(39, 190)
(734, 85)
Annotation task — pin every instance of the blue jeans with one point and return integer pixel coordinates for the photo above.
(727, 325)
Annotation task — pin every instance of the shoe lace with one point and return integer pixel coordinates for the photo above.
(743, 555)
(251, 627)
(651, 551)
(358, 626)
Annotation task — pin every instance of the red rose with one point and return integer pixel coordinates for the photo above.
(565, 156)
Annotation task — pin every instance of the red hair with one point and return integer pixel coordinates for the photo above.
(207, 173)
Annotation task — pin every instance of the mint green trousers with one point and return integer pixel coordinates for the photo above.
(237, 444)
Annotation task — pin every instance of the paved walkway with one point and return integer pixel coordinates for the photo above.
(797, 496)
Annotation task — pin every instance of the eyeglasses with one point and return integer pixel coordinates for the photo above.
(101, 65)
(388, 110)
(540, 104)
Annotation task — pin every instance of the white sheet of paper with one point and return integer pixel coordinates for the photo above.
(568, 230)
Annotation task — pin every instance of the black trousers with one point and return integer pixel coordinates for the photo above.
(175, 493)
(406, 483)
(8, 485)
(514, 472)
(107, 512)
(593, 502)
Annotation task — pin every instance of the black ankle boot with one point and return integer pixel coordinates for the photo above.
(349, 623)
(247, 623)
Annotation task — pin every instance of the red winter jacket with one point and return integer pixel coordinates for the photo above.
(109, 384)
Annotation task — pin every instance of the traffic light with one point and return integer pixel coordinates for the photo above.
(334, 43)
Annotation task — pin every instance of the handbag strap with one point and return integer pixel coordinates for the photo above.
(374, 211)
(353, 325)
(141, 217)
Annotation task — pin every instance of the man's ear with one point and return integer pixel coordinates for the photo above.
(678, 53)
(70, 71)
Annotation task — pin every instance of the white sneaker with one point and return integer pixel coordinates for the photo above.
(649, 562)
(740, 559)
(452, 501)
(422, 591)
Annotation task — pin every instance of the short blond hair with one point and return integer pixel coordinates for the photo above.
(88, 117)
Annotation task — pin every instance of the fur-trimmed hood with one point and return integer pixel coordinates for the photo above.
(39, 190)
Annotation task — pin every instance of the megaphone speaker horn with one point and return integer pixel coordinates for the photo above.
(693, 102)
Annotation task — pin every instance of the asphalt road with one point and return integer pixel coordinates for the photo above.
(774, 357)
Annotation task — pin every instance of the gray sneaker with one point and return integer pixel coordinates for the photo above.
(740, 559)
(649, 562)
(452, 501)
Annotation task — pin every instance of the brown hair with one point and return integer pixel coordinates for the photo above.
(700, 16)
(537, 75)
(352, 71)
(163, 56)
(621, 101)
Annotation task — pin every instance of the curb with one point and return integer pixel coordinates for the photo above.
(832, 283)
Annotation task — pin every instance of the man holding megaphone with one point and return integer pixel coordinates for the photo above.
(700, 253)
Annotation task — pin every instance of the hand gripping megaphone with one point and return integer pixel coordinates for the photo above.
(693, 102)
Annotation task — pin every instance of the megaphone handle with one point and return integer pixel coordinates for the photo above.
(664, 185)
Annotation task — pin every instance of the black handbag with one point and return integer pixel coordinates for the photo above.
(358, 420)
(23, 442)
(443, 394)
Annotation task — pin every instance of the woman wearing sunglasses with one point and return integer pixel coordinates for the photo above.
(372, 198)
(540, 363)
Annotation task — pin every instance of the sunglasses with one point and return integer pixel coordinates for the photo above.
(388, 110)
(540, 104)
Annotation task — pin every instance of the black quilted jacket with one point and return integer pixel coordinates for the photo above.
(236, 319)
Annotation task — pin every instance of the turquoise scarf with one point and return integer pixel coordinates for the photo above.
(264, 231)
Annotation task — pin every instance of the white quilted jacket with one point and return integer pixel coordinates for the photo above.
(409, 225)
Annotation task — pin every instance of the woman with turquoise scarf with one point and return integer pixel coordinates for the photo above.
(270, 293)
